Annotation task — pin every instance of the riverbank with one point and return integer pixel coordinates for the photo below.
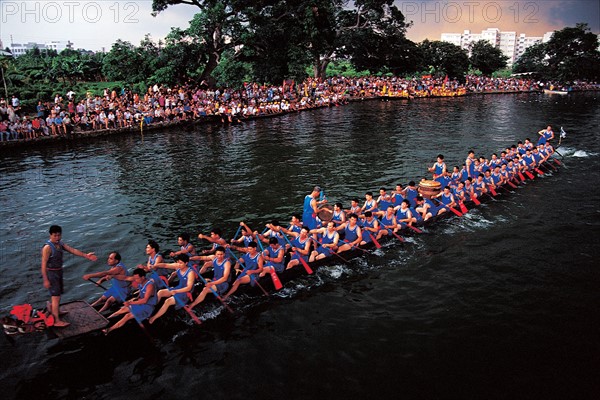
(141, 128)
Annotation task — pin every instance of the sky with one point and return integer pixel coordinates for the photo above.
(94, 25)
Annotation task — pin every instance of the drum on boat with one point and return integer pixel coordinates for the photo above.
(429, 188)
(325, 213)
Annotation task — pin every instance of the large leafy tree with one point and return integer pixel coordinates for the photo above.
(123, 63)
(444, 58)
(534, 60)
(487, 58)
(217, 27)
(573, 54)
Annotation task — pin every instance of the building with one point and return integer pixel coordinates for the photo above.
(18, 49)
(509, 43)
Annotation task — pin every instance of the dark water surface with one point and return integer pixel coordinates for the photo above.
(502, 303)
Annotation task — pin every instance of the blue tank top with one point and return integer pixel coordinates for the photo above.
(55, 261)
(152, 260)
(274, 254)
(446, 198)
(183, 278)
(118, 282)
(307, 210)
(152, 300)
(250, 263)
(350, 234)
(438, 168)
(387, 221)
(219, 269)
(328, 239)
(337, 216)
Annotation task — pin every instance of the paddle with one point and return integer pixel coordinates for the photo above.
(521, 176)
(474, 200)
(276, 282)
(356, 247)
(494, 193)
(187, 308)
(374, 240)
(414, 228)
(97, 284)
(214, 292)
(382, 226)
(243, 273)
(302, 260)
(462, 206)
(512, 185)
(539, 171)
(454, 210)
(529, 175)
(333, 252)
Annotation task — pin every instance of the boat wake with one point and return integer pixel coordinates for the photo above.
(569, 152)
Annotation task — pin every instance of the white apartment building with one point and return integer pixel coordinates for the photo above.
(18, 49)
(509, 43)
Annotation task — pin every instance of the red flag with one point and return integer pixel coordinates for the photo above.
(445, 80)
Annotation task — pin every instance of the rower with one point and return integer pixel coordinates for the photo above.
(352, 233)
(274, 230)
(208, 255)
(119, 289)
(397, 196)
(456, 176)
(354, 207)
(369, 226)
(383, 201)
(403, 214)
(219, 283)
(410, 193)
(425, 208)
(446, 198)
(139, 308)
(479, 187)
(253, 264)
(370, 204)
(177, 295)
(460, 194)
(329, 242)
(300, 247)
(152, 250)
(388, 223)
(246, 238)
(545, 135)
(339, 216)
(274, 255)
(186, 247)
(295, 224)
(438, 168)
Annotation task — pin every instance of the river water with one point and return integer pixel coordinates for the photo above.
(501, 303)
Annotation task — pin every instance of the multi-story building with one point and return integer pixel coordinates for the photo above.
(18, 49)
(509, 43)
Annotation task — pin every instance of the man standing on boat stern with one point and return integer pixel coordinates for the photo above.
(52, 271)
(311, 208)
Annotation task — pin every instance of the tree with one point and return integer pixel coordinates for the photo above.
(533, 60)
(216, 28)
(444, 58)
(487, 58)
(573, 54)
(123, 63)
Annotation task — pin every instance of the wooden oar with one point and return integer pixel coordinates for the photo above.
(374, 240)
(462, 206)
(539, 171)
(214, 292)
(302, 260)
(382, 226)
(414, 228)
(356, 247)
(494, 193)
(474, 200)
(454, 210)
(276, 282)
(97, 284)
(529, 175)
(333, 252)
(512, 185)
(187, 308)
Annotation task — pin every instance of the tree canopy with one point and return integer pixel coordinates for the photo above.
(487, 58)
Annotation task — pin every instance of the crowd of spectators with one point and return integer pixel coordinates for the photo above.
(69, 115)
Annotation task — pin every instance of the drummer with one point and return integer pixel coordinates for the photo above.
(311, 208)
